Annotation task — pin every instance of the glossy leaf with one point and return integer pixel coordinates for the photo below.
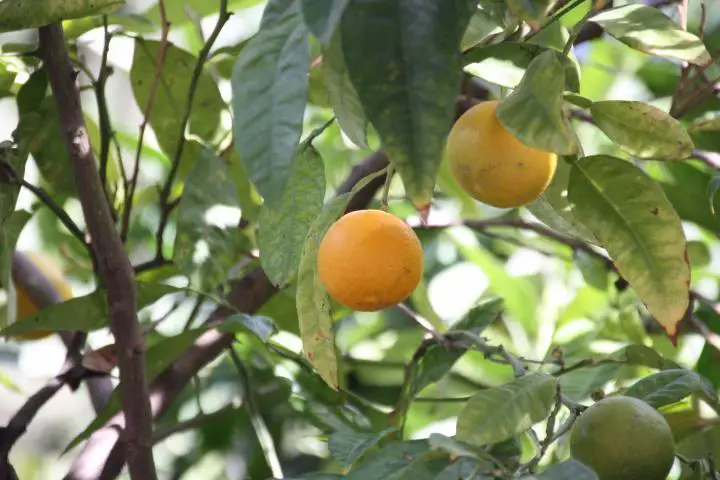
(342, 94)
(505, 64)
(642, 130)
(261, 327)
(86, 313)
(394, 462)
(670, 386)
(347, 446)
(534, 111)
(555, 210)
(499, 413)
(312, 300)
(634, 221)
(322, 17)
(567, 470)
(269, 86)
(283, 227)
(481, 26)
(25, 14)
(171, 96)
(648, 30)
(403, 58)
(208, 242)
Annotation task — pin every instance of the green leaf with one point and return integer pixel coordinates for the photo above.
(648, 30)
(312, 300)
(698, 254)
(554, 209)
(25, 14)
(348, 446)
(207, 245)
(496, 414)
(567, 470)
(645, 356)
(157, 358)
(481, 26)
(342, 94)
(86, 313)
(322, 17)
(687, 189)
(171, 96)
(10, 230)
(669, 386)
(505, 64)
(452, 446)
(9, 192)
(709, 122)
(531, 11)
(593, 270)
(534, 111)
(578, 385)
(396, 461)
(262, 327)
(404, 60)
(637, 225)
(269, 85)
(249, 198)
(642, 130)
(283, 227)
(438, 360)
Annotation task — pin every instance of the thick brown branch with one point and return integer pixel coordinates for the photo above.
(113, 264)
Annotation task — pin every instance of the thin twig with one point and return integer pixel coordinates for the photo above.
(103, 115)
(159, 63)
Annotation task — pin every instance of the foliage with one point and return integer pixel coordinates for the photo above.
(259, 131)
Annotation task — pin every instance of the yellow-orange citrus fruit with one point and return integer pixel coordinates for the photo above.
(25, 307)
(370, 260)
(492, 165)
(623, 438)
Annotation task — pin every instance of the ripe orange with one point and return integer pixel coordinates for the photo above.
(623, 438)
(492, 165)
(370, 260)
(25, 306)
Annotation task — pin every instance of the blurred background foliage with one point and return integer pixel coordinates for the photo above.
(554, 297)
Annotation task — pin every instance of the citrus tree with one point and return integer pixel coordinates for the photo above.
(437, 240)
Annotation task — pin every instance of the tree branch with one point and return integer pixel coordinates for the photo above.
(113, 264)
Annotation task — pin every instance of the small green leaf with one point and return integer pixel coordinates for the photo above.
(9, 192)
(452, 446)
(637, 225)
(567, 470)
(25, 14)
(262, 327)
(648, 30)
(710, 122)
(666, 387)
(496, 414)
(283, 227)
(578, 384)
(645, 356)
(208, 242)
(171, 96)
(531, 11)
(342, 94)
(593, 270)
(86, 313)
(481, 26)
(322, 17)
(269, 86)
(534, 111)
(157, 358)
(312, 300)
(403, 58)
(579, 100)
(554, 209)
(643, 130)
(395, 461)
(348, 446)
(505, 64)
(698, 254)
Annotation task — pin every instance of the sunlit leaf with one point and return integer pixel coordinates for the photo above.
(496, 414)
(347, 446)
(668, 386)
(531, 11)
(648, 30)
(634, 221)
(642, 130)
(404, 60)
(283, 227)
(24, 14)
(269, 86)
(534, 111)
(208, 242)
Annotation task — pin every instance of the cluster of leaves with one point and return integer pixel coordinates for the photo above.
(388, 73)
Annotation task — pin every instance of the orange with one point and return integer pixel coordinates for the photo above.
(25, 307)
(492, 165)
(623, 438)
(370, 260)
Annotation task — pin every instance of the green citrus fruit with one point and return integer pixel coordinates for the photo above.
(623, 438)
